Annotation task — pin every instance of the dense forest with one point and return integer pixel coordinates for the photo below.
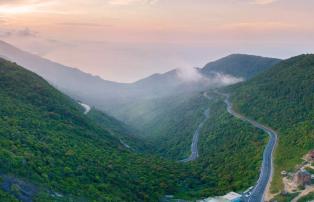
(240, 65)
(120, 130)
(230, 153)
(47, 142)
(282, 98)
(169, 122)
(172, 128)
(51, 151)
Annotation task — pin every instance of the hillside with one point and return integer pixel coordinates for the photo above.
(51, 151)
(119, 98)
(240, 65)
(282, 98)
(120, 130)
(230, 153)
(170, 126)
(170, 122)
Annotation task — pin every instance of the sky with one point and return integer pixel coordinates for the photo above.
(125, 40)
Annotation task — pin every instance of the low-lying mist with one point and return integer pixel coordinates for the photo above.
(214, 79)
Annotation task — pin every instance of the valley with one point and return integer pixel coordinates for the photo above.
(156, 101)
(280, 98)
(262, 185)
(137, 142)
(194, 146)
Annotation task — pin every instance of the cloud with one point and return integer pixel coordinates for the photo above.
(129, 2)
(189, 74)
(256, 2)
(6, 2)
(4, 33)
(215, 79)
(84, 24)
(263, 2)
(15, 2)
(219, 79)
(2, 20)
(26, 32)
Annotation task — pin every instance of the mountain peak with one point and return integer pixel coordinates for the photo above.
(240, 65)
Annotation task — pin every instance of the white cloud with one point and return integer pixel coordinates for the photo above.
(263, 2)
(189, 74)
(256, 2)
(215, 79)
(129, 2)
(17, 2)
(25, 32)
(219, 79)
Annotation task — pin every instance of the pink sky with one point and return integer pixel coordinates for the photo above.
(124, 40)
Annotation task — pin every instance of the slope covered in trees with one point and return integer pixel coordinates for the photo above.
(172, 121)
(49, 145)
(282, 98)
(47, 141)
(230, 153)
(240, 65)
(120, 130)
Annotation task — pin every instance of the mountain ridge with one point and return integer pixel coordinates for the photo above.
(241, 65)
(47, 141)
(282, 98)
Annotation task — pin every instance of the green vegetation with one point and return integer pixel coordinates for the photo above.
(240, 65)
(285, 197)
(173, 127)
(46, 140)
(225, 164)
(5, 197)
(118, 129)
(310, 170)
(282, 98)
(307, 198)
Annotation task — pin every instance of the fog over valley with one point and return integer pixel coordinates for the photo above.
(156, 101)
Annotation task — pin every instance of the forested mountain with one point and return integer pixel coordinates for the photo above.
(230, 153)
(150, 104)
(282, 98)
(165, 109)
(50, 150)
(108, 95)
(240, 65)
(126, 134)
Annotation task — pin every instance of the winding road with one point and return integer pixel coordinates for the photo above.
(87, 110)
(266, 172)
(86, 107)
(194, 145)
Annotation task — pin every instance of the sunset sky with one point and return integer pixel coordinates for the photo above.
(124, 40)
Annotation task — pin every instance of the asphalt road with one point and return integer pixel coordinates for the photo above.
(86, 107)
(266, 172)
(194, 145)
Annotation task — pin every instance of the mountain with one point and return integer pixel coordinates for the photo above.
(150, 104)
(51, 151)
(107, 95)
(126, 135)
(240, 65)
(70, 80)
(282, 98)
(170, 121)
